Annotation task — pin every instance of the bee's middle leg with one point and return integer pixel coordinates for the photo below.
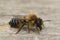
(28, 29)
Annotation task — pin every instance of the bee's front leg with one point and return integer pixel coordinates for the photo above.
(37, 29)
(40, 27)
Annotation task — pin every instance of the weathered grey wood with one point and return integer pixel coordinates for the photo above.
(46, 9)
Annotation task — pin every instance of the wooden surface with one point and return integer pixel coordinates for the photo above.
(46, 9)
(4, 27)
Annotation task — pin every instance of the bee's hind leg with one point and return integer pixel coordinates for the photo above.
(20, 29)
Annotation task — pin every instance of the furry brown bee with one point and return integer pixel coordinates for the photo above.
(29, 20)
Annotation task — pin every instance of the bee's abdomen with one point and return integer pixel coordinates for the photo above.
(14, 22)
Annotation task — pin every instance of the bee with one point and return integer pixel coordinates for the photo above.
(29, 20)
